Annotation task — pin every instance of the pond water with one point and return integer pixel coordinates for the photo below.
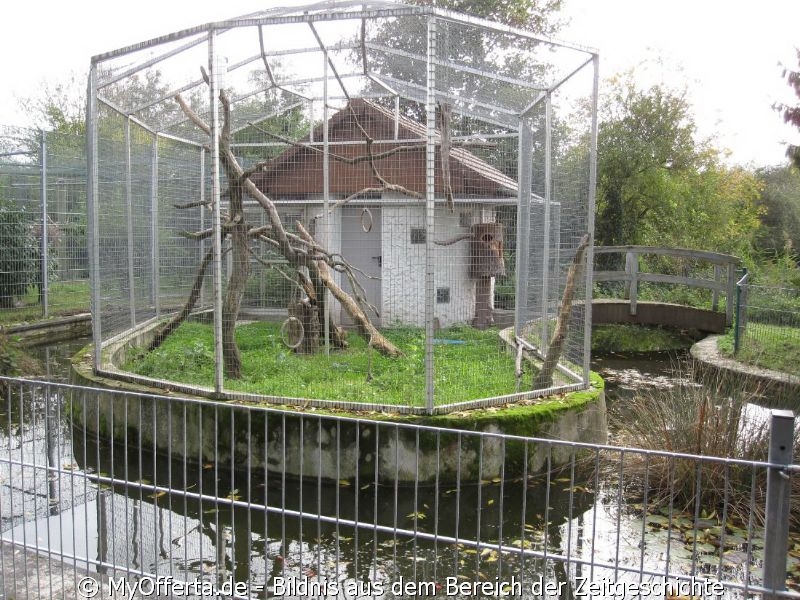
(415, 535)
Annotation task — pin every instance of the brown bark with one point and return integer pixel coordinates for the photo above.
(365, 327)
(307, 313)
(173, 324)
(301, 253)
(556, 346)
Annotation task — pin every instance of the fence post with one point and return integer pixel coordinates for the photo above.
(632, 284)
(43, 256)
(729, 293)
(776, 525)
(738, 326)
(715, 293)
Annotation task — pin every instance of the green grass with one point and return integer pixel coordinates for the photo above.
(469, 364)
(64, 298)
(638, 338)
(775, 347)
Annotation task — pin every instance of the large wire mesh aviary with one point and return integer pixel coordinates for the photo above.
(376, 205)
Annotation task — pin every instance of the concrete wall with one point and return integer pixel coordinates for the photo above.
(312, 444)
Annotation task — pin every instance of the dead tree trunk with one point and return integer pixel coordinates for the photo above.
(556, 346)
(173, 324)
(301, 253)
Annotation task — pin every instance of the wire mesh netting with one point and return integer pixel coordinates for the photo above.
(768, 326)
(398, 190)
(44, 266)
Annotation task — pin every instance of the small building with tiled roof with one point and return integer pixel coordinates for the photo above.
(381, 232)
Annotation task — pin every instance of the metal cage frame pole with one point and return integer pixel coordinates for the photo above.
(155, 258)
(44, 258)
(591, 200)
(213, 69)
(326, 198)
(524, 194)
(547, 226)
(202, 209)
(129, 219)
(92, 193)
(430, 207)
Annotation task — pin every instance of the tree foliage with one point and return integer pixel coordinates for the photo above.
(19, 254)
(659, 185)
(536, 15)
(779, 233)
(791, 114)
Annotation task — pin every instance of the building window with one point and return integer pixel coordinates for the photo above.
(417, 235)
(443, 295)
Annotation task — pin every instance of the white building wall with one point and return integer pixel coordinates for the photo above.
(404, 265)
(403, 262)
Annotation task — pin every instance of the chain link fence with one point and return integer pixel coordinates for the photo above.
(44, 264)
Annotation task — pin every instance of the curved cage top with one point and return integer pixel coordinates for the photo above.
(487, 70)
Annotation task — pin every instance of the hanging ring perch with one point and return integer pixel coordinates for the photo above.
(292, 332)
(366, 220)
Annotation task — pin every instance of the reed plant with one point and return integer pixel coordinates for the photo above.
(716, 418)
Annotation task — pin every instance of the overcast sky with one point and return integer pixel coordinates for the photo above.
(726, 53)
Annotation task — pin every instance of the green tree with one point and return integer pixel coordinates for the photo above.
(791, 114)
(779, 232)
(644, 137)
(659, 185)
(19, 254)
(59, 106)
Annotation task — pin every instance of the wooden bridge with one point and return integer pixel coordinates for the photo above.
(698, 269)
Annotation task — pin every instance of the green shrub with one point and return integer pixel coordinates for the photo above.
(19, 254)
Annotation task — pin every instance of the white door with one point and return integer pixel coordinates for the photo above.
(361, 247)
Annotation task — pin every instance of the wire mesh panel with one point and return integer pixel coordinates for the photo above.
(45, 269)
(767, 326)
(397, 197)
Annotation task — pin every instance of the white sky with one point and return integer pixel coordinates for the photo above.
(725, 52)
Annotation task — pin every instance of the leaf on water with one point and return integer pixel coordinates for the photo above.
(416, 515)
(490, 502)
(735, 558)
(657, 521)
(208, 466)
(706, 548)
(157, 495)
(344, 483)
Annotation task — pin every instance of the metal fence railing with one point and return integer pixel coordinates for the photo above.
(767, 320)
(102, 495)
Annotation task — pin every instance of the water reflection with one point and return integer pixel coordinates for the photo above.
(206, 522)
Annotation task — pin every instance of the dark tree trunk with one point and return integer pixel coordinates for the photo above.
(307, 312)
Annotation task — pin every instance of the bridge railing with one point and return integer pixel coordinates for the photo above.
(698, 269)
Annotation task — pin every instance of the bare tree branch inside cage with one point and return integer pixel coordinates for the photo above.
(358, 206)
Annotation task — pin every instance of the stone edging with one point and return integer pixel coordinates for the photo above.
(707, 353)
